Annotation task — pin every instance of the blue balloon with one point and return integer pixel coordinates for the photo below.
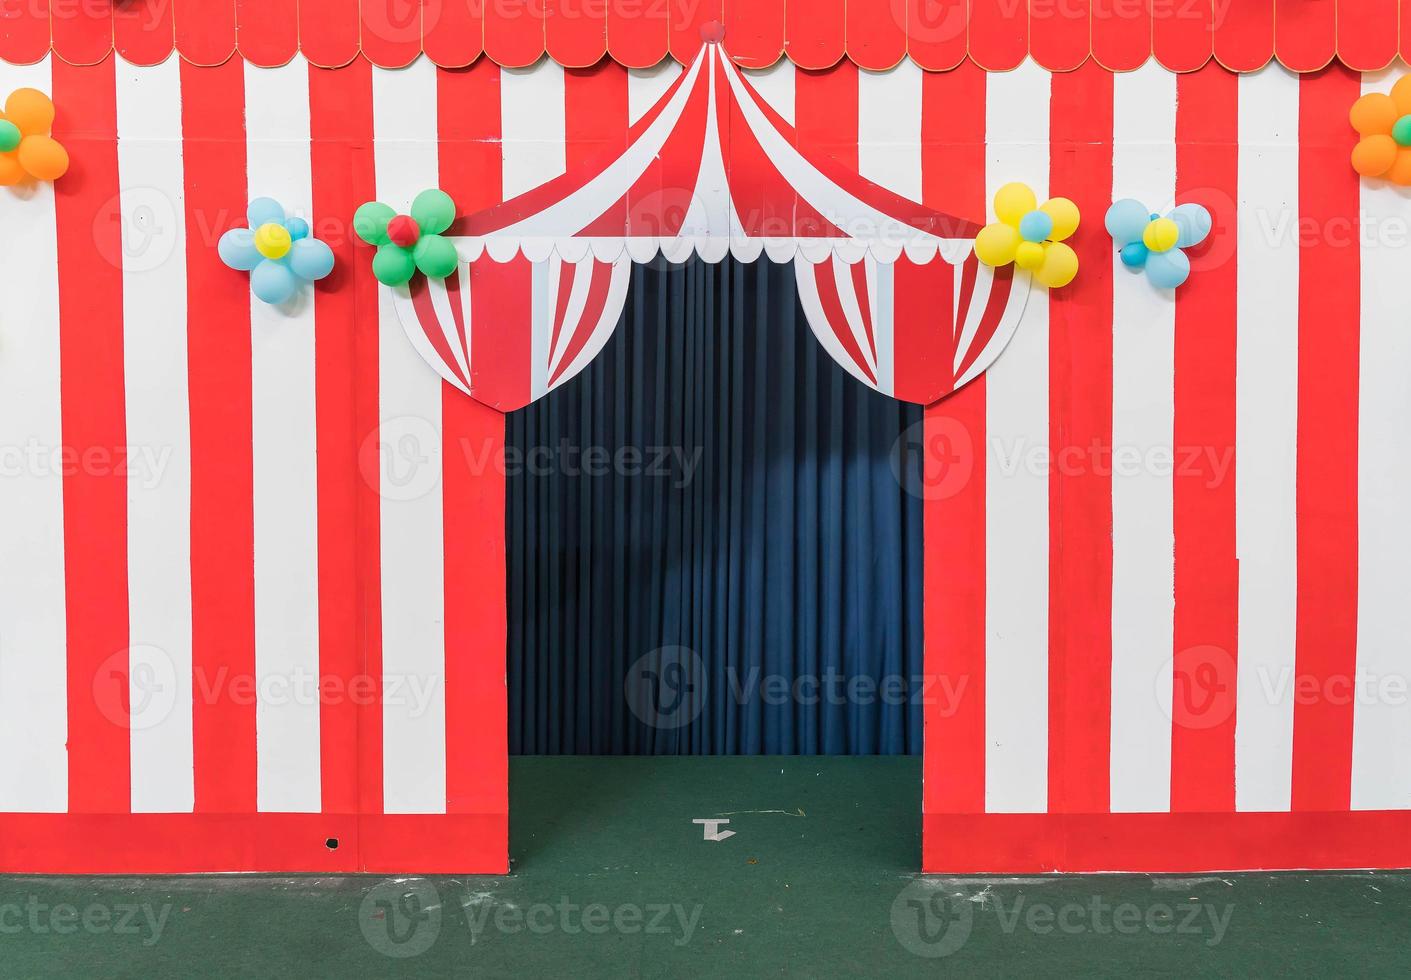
(236, 249)
(273, 281)
(264, 211)
(1195, 223)
(1134, 255)
(310, 259)
(1168, 269)
(1126, 220)
(1036, 226)
(297, 227)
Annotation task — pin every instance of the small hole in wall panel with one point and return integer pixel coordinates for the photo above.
(331, 843)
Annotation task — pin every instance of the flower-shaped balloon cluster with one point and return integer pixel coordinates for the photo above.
(1151, 242)
(408, 242)
(26, 148)
(1384, 123)
(276, 250)
(1031, 235)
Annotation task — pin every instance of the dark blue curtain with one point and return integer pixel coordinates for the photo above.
(708, 549)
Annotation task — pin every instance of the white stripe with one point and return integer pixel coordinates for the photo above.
(413, 556)
(889, 128)
(158, 435)
(284, 456)
(532, 126)
(1381, 727)
(1016, 491)
(1143, 420)
(33, 662)
(806, 273)
(646, 86)
(1266, 420)
(445, 322)
(775, 86)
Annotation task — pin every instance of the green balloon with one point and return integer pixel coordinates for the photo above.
(1401, 131)
(433, 211)
(9, 136)
(392, 265)
(370, 222)
(435, 256)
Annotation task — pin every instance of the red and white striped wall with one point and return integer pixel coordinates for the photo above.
(253, 595)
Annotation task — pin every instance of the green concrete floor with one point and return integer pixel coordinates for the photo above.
(611, 878)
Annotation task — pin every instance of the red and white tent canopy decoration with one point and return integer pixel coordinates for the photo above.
(890, 288)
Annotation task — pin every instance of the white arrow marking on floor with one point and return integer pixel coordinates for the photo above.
(712, 828)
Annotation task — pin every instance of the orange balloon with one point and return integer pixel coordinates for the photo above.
(10, 170)
(1374, 113)
(1400, 172)
(43, 157)
(1372, 156)
(31, 110)
(1401, 95)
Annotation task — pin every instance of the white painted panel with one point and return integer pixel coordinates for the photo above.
(532, 125)
(413, 556)
(889, 128)
(151, 179)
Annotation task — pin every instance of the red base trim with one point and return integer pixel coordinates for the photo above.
(1025, 843)
(189, 843)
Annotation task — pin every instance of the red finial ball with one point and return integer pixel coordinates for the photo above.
(402, 230)
(712, 32)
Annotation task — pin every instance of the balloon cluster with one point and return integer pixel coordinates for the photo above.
(276, 250)
(1151, 242)
(1031, 236)
(26, 148)
(1384, 122)
(406, 243)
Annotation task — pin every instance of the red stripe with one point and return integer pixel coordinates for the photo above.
(923, 336)
(453, 36)
(953, 764)
(1366, 32)
(94, 428)
(477, 733)
(1244, 35)
(825, 280)
(637, 34)
(391, 31)
(1080, 425)
(1172, 843)
(567, 272)
(514, 33)
(222, 488)
(999, 33)
(340, 126)
(1329, 297)
(876, 32)
(1203, 488)
(142, 33)
(575, 33)
(825, 112)
(1122, 34)
(83, 31)
(1305, 33)
(595, 113)
(754, 33)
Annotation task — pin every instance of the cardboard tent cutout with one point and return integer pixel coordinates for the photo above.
(890, 288)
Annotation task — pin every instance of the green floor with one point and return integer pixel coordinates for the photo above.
(612, 878)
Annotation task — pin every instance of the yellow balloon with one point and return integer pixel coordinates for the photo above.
(996, 243)
(1029, 255)
(1065, 217)
(272, 240)
(1161, 235)
(1013, 201)
(1059, 267)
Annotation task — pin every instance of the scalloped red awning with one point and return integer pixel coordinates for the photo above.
(876, 34)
